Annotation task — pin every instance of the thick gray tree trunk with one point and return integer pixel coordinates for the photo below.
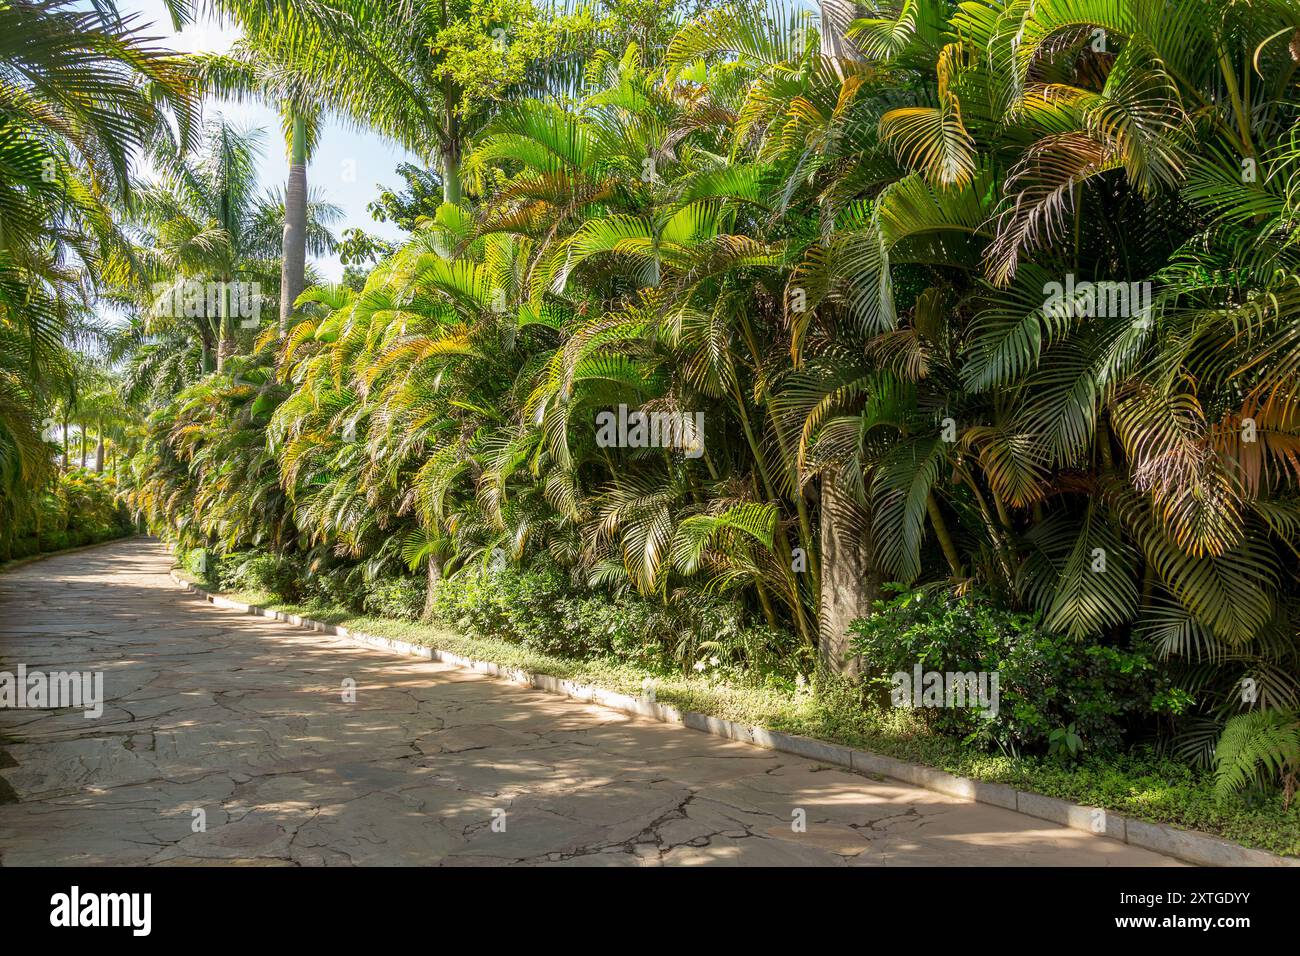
(849, 581)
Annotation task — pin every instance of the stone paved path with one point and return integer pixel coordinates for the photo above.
(243, 718)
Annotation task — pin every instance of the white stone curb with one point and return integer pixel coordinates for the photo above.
(1188, 845)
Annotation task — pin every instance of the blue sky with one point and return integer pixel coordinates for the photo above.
(348, 166)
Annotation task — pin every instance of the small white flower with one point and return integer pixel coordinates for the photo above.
(700, 665)
(714, 661)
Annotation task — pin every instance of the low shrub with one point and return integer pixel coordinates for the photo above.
(399, 597)
(539, 608)
(80, 507)
(336, 583)
(200, 563)
(261, 571)
(1046, 683)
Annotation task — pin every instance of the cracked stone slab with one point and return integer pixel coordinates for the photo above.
(227, 740)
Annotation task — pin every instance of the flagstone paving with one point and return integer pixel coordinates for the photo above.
(244, 719)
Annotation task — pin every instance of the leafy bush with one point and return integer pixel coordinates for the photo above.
(80, 507)
(1048, 685)
(200, 563)
(281, 575)
(1261, 747)
(539, 608)
(525, 605)
(338, 584)
(401, 598)
(89, 502)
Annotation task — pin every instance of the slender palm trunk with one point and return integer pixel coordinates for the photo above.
(849, 581)
(946, 542)
(435, 578)
(293, 261)
(806, 539)
(99, 448)
(226, 340)
(451, 187)
(206, 351)
(450, 148)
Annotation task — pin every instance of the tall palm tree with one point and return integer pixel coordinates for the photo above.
(206, 222)
(246, 72)
(373, 64)
(427, 73)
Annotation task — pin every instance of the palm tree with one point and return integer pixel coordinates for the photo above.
(205, 222)
(102, 410)
(294, 254)
(80, 94)
(246, 72)
(1077, 438)
(426, 73)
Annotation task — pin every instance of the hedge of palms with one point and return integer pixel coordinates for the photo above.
(1002, 298)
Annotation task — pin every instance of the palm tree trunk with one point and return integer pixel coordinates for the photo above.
(451, 188)
(946, 542)
(788, 459)
(849, 581)
(435, 578)
(99, 448)
(205, 349)
(450, 148)
(226, 339)
(293, 261)
(835, 17)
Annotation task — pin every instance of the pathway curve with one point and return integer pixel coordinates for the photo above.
(243, 719)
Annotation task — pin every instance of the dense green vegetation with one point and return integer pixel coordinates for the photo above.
(81, 507)
(81, 95)
(971, 332)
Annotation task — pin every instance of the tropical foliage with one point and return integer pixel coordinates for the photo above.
(995, 302)
(80, 507)
(80, 93)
